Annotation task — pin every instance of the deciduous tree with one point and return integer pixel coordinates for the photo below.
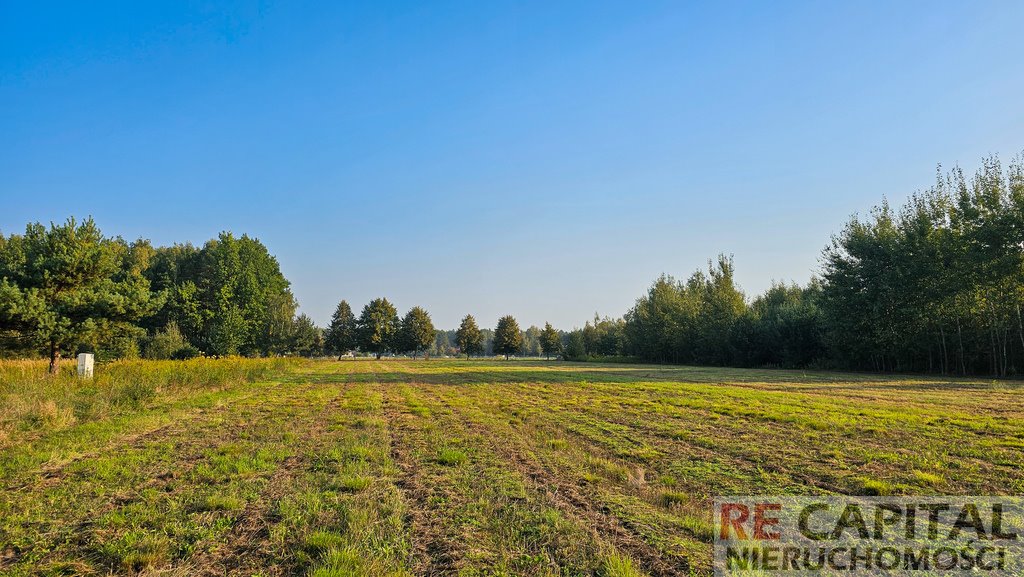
(377, 327)
(417, 332)
(507, 337)
(468, 338)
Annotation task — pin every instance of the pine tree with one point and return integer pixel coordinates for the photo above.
(341, 334)
(550, 341)
(67, 284)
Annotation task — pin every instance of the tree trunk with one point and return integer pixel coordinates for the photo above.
(379, 355)
(54, 358)
(1020, 327)
(960, 344)
(945, 353)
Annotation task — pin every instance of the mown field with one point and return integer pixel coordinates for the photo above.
(443, 467)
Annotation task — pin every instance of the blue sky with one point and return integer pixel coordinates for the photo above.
(541, 159)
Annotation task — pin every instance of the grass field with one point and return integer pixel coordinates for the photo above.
(442, 467)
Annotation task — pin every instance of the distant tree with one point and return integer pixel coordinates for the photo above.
(531, 346)
(507, 337)
(575, 349)
(550, 341)
(68, 284)
(377, 327)
(469, 338)
(417, 332)
(307, 338)
(443, 343)
(341, 334)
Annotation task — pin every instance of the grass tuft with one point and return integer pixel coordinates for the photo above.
(451, 457)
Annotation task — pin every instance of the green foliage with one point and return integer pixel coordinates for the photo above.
(68, 284)
(550, 341)
(307, 338)
(378, 327)
(937, 285)
(689, 322)
(227, 298)
(165, 343)
(507, 338)
(575, 347)
(341, 334)
(531, 346)
(469, 338)
(417, 332)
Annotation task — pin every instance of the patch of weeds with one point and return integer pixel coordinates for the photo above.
(558, 444)
(607, 468)
(672, 498)
(324, 540)
(875, 487)
(137, 550)
(927, 479)
(450, 457)
(616, 565)
(223, 503)
(353, 483)
(339, 562)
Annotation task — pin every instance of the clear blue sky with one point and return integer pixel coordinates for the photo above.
(544, 159)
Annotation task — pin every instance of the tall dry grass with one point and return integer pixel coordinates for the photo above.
(31, 400)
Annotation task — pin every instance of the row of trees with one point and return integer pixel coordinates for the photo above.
(379, 330)
(935, 286)
(68, 288)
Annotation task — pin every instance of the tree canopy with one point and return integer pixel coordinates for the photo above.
(68, 284)
(507, 337)
(469, 338)
(550, 341)
(341, 334)
(377, 327)
(417, 331)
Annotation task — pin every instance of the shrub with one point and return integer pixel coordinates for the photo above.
(185, 353)
(165, 343)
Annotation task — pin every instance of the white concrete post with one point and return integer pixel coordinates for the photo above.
(85, 361)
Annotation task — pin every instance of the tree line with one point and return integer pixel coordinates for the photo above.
(68, 288)
(934, 286)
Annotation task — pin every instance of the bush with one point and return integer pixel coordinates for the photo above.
(165, 343)
(185, 353)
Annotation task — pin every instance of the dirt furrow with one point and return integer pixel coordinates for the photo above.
(432, 553)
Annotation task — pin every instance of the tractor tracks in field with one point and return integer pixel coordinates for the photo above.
(574, 502)
(180, 422)
(431, 554)
(247, 548)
